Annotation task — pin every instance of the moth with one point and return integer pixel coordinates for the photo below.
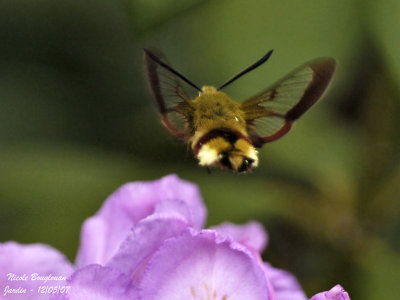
(222, 132)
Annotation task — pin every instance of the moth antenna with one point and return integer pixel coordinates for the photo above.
(165, 66)
(252, 67)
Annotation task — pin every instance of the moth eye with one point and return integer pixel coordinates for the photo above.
(246, 164)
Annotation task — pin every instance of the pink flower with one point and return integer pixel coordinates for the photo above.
(147, 242)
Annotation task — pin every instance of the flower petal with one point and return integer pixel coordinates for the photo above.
(203, 265)
(103, 233)
(285, 285)
(335, 293)
(252, 234)
(95, 282)
(144, 241)
(30, 263)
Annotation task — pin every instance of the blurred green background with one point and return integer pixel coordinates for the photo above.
(77, 121)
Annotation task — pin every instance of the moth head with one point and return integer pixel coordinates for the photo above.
(235, 161)
(238, 157)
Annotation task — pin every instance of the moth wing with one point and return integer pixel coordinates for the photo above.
(171, 99)
(270, 114)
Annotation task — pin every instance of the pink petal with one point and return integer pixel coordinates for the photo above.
(102, 234)
(335, 293)
(144, 241)
(252, 234)
(284, 284)
(24, 261)
(203, 265)
(95, 282)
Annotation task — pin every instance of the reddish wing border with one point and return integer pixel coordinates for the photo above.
(323, 73)
(151, 60)
(323, 70)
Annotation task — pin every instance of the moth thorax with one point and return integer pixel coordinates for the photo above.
(209, 89)
(226, 150)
